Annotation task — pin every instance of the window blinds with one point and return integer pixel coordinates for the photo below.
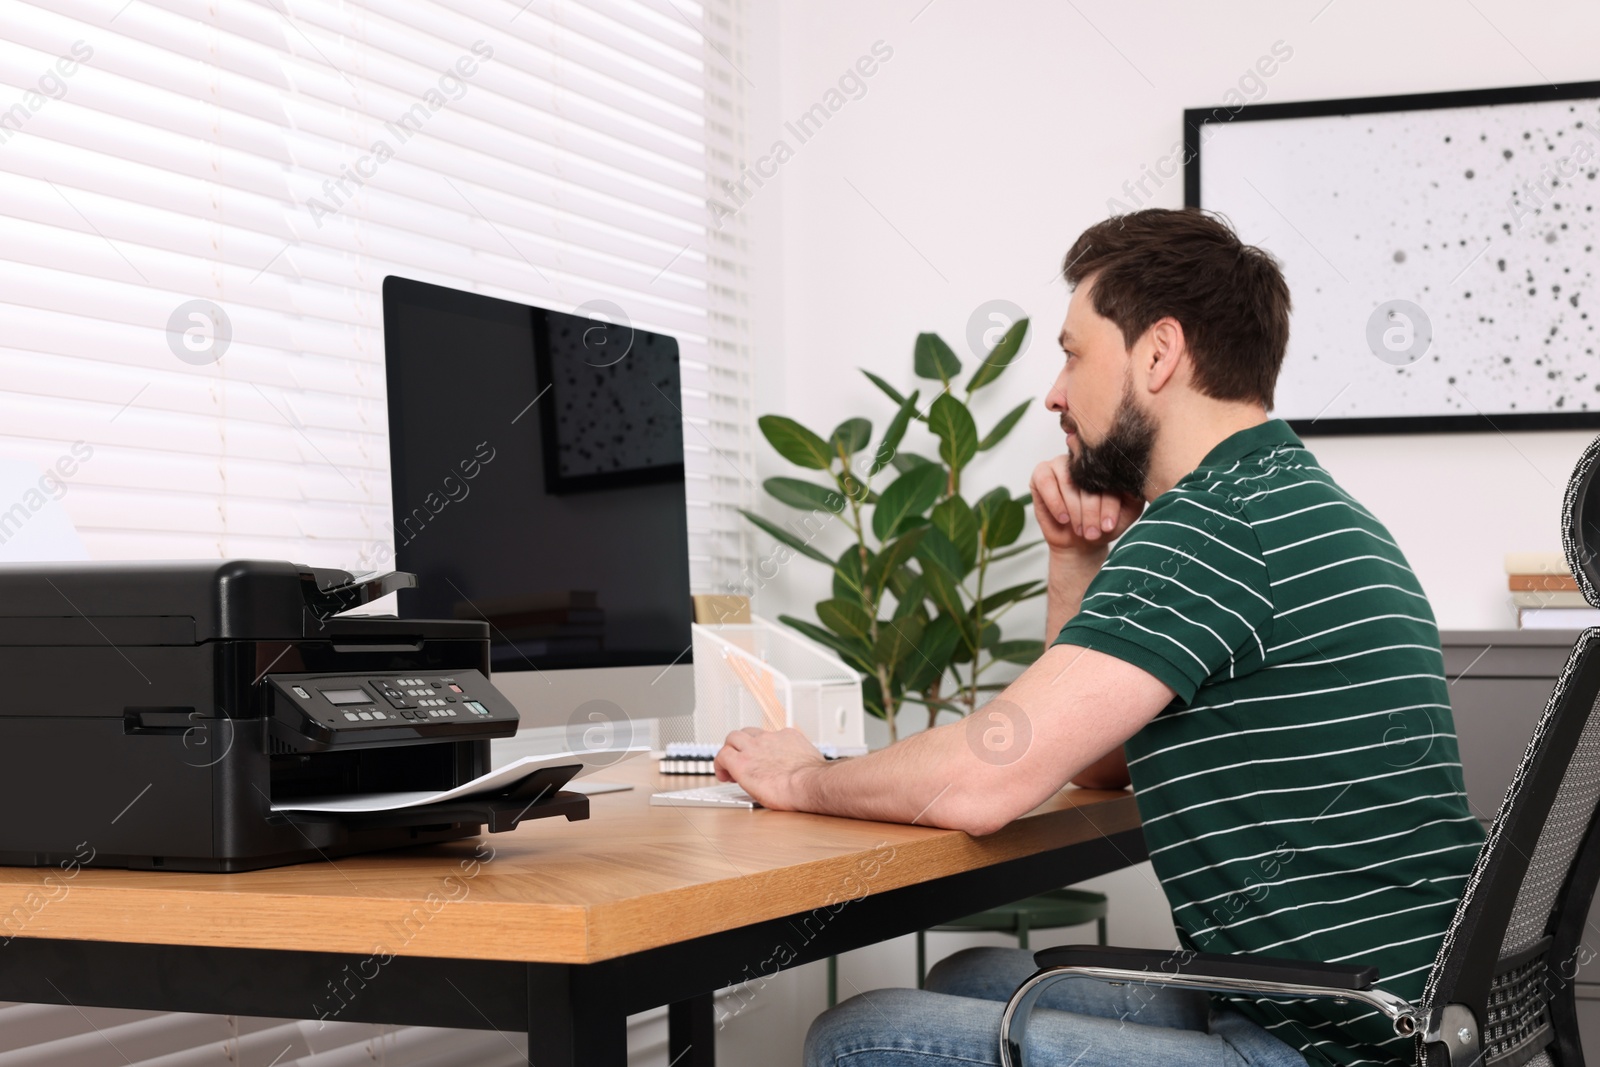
(199, 202)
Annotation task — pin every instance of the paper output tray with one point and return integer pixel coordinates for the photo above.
(538, 796)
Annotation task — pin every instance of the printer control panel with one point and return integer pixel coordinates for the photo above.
(366, 708)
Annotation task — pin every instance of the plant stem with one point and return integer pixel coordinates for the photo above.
(889, 709)
(859, 529)
(977, 613)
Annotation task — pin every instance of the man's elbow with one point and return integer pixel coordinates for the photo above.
(1096, 778)
(982, 826)
(977, 816)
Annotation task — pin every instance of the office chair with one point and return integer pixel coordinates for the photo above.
(1501, 989)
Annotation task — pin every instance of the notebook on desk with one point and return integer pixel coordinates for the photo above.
(722, 795)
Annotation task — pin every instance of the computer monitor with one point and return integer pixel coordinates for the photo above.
(536, 459)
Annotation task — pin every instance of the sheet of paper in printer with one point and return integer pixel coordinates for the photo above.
(503, 778)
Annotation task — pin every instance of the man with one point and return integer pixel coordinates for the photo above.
(1254, 652)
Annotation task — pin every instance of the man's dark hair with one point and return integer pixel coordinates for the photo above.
(1230, 297)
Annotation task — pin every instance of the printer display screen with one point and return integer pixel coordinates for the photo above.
(538, 478)
(342, 697)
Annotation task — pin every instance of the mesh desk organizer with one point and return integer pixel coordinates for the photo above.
(820, 693)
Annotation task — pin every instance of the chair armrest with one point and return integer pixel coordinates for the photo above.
(1243, 975)
(1243, 968)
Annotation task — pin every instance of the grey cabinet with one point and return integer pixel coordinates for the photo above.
(1499, 683)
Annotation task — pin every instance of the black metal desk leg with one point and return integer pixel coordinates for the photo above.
(691, 1035)
(573, 1020)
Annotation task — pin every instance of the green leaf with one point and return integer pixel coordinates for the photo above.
(954, 518)
(944, 591)
(939, 639)
(1003, 427)
(958, 434)
(896, 642)
(907, 496)
(844, 618)
(964, 650)
(909, 597)
(962, 653)
(991, 634)
(937, 551)
(932, 358)
(1024, 652)
(805, 495)
(890, 558)
(847, 581)
(855, 653)
(909, 523)
(795, 443)
(988, 505)
(850, 436)
(893, 435)
(786, 537)
(1022, 591)
(906, 461)
(872, 697)
(996, 557)
(1007, 524)
(893, 393)
(999, 357)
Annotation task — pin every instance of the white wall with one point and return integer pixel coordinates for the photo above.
(995, 134)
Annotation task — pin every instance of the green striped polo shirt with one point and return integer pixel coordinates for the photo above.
(1302, 794)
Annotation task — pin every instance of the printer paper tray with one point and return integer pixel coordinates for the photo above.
(537, 796)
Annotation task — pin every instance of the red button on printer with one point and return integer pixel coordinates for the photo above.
(454, 688)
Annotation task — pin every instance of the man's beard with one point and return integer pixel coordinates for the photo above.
(1120, 463)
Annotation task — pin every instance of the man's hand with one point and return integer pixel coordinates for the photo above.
(771, 765)
(1072, 519)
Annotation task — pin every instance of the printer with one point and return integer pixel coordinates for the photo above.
(168, 715)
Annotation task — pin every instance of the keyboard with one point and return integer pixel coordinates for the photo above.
(725, 795)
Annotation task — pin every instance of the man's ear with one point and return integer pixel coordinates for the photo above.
(1167, 349)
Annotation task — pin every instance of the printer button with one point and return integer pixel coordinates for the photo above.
(352, 716)
(454, 688)
(365, 714)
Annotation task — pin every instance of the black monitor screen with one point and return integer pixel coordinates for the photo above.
(537, 470)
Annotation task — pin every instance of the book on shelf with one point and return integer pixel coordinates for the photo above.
(1545, 594)
(1542, 583)
(1557, 618)
(1537, 563)
(1562, 599)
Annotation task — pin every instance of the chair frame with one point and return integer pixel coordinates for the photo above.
(1449, 1021)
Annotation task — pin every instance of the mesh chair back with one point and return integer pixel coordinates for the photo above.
(1516, 942)
(1580, 524)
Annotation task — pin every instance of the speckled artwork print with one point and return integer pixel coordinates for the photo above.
(1483, 218)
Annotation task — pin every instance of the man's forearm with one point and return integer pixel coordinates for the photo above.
(1063, 713)
(1069, 575)
(939, 778)
(895, 784)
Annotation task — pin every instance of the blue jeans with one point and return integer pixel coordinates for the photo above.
(956, 1020)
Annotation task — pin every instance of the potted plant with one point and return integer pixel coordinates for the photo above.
(913, 607)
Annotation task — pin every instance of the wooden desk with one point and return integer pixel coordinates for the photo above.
(559, 929)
